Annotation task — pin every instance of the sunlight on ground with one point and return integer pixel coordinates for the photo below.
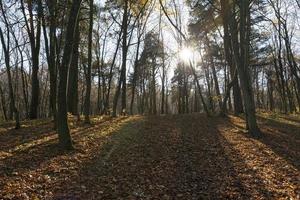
(26, 146)
(115, 151)
(75, 131)
(281, 118)
(253, 153)
(89, 140)
(269, 170)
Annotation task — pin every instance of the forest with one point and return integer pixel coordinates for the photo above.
(149, 99)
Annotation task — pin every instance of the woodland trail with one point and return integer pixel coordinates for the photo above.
(158, 157)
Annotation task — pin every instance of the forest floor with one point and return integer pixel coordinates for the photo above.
(161, 157)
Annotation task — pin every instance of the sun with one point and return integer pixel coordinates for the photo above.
(186, 54)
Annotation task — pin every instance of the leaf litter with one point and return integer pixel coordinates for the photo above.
(161, 157)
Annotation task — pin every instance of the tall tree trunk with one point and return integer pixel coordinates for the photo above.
(62, 118)
(166, 102)
(23, 77)
(6, 50)
(214, 74)
(227, 94)
(124, 56)
(50, 46)
(135, 74)
(122, 80)
(35, 40)
(3, 103)
(281, 74)
(210, 98)
(281, 86)
(270, 90)
(237, 97)
(162, 109)
(163, 87)
(116, 97)
(87, 101)
(199, 90)
(73, 76)
(52, 56)
(153, 91)
(10, 84)
(106, 104)
(218, 93)
(240, 40)
(290, 56)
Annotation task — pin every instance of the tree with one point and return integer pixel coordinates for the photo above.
(50, 46)
(6, 50)
(89, 68)
(62, 118)
(122, 79)
(149, 63)
(241, 42)
(35, 41)
(73, 75)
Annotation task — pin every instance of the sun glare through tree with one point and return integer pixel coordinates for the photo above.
(186, 54)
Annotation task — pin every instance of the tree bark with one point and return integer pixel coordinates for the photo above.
(73, 76)
(51, 56)
(122, 80)
(124, 57)
(135, 74)
(3, 103)
(106, 104)
(62, 118)
(237, 98)
(87, 101)
(240, 41)
(6, 50)
(35, 40)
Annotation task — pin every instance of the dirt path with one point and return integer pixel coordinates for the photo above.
(170, 157)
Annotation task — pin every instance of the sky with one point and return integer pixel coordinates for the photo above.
(169, 33)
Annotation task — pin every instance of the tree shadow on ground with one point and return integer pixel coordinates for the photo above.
(156, 157)
(31, 165)
(222, 168)
(31, 131)
(97, 177)
(170, 157)
(282, 137)
(26, 156)
(291, 118)
(37, 131)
